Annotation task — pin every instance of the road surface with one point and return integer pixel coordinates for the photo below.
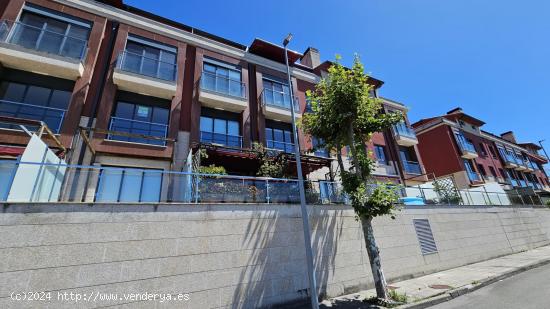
(528, 290)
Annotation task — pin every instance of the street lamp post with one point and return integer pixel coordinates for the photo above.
(305, 217)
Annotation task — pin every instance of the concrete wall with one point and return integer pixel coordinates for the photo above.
(235, 256)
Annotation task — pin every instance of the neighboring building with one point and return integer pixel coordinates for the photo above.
(454, 144)
(125, 88)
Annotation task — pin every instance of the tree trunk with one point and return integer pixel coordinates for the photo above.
(352, 149)
(374, 259)
(339, 157)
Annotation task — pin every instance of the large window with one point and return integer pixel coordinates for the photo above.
(34, 102)
(220, 131)
(51, 32)
(276, 94)
(129, 185)
(149, 58)
(139, 119)
(320, 152)
(222, 78)
(380, 154)
(279, 138)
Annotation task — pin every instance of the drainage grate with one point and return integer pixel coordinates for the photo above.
(425, 236)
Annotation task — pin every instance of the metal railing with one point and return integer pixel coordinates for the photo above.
(281, 146)
(466, 146)
(404, 130)
(42, 182)
(53, 117)
(221, 139)
(43, 40)
(279, 99)
(223, 85)
(147, 66)
(124, 125)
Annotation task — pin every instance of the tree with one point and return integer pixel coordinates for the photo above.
(346, 114)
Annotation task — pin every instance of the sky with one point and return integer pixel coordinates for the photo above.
(490, 57)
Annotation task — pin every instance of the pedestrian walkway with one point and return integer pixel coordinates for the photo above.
(431, 289)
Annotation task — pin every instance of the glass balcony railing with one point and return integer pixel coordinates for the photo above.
(221, 139)
(223, 85)
(412, 167)
(43, 40)
(52, 117)
(473, 176)
(146, 66)
(514, 182)
(153, 133)
(279, 99)
(467, 146)
(404, 130)
(281, 146)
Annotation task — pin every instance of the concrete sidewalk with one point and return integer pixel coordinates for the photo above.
(438, 287)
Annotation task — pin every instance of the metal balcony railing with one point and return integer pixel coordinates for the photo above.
(411, 167)
(43, 40)
(223, 85)
(221, 139)
(144, 128)
(404, 130)
(282, 146)
(52, 117)
(279, 99)
(147, 66)
(466, 146)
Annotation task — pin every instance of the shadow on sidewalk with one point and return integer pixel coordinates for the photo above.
(349, 304)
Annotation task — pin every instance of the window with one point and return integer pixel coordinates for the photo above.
(7, 172)
(276, 93)
(492, 150)
(321, 152)
(470, 171)
(482, 148)
(129, 185)
(222, 78)
(34, 102)
(280, 138)
(139, 119)
(493, 171)
(51, 32)
(481, 170)
(220, 131)
(380, 153)
(148, 58)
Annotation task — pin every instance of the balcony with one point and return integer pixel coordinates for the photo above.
(474, 176)
(139, 74)
(221, 139)
(277, 105)
(222, 92)
(146, 129)
(385, 168)
(405, 135)
(29, 48)
(468, 150)
(522, 165)
(412, 168)
(280, 146)
(52, 117)
(509, 159)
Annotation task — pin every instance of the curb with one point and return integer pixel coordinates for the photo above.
(451, 294)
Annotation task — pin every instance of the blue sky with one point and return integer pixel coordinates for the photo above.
(491, 57)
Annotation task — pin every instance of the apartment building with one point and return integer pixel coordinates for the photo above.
(120, 87)
(454, 144)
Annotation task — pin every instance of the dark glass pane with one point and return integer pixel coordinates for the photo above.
(37, 95)
(220, 126)
(12, 91)
(143, 113)
(278, 135)
(60, 99)
(206, 124)
(233, 128)
(124, 110)
(160, 115)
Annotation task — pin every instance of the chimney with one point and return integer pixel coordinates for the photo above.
(454, 111)
(311, 58)
(509, 136)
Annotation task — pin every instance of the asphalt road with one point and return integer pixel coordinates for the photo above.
(530, 289)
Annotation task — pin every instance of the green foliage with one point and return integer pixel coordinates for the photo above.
(270, 166)
(345, 113)
(395, 296)
(447, 196)
(548, 203)
(212, 170)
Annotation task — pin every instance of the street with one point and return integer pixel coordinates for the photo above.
(526, 290)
